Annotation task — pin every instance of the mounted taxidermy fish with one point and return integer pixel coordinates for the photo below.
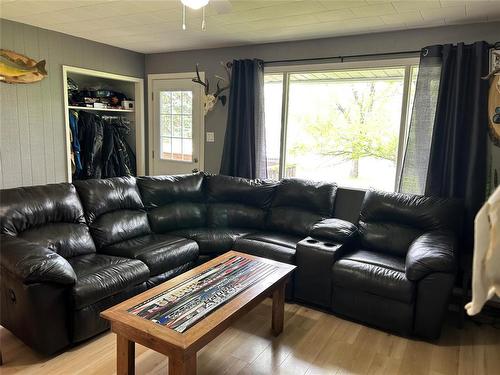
(17, 68)
(494, 98)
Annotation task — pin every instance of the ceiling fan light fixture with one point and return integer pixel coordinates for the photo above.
(195, 4)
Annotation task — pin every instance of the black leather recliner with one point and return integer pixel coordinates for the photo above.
(53, 281)
(68, 253)
(400, 274)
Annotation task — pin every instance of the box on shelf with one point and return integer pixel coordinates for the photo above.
(128, 104)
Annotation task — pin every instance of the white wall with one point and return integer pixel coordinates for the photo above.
(32, 134)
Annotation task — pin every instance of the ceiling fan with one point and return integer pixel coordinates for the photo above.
(220, 6)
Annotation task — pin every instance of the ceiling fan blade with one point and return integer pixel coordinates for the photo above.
(221, 6)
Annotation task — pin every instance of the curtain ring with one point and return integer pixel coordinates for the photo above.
(425, 52)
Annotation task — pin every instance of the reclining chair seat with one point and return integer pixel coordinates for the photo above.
(213, 241)
(160, 252)
(101, 276)
(275, 246)
(374, 273)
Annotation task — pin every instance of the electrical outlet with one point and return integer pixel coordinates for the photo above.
(210, 137)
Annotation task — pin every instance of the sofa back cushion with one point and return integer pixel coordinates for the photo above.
(49, 215)
(174, 202)
(113, 208)
(235, 202)
(390, 222)
(299, 204)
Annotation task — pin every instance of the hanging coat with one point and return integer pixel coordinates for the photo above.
(90, 135)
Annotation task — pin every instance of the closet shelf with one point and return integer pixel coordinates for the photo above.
(100, 109)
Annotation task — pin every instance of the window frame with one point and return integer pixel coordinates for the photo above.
(286, 70)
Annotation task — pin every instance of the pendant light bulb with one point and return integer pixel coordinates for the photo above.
(195, 4)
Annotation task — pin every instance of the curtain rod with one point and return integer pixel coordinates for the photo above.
(342, 57)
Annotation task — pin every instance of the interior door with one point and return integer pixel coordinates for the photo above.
(177, 127)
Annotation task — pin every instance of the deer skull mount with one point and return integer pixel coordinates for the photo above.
(210, 100)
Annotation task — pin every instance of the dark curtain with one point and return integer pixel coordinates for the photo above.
(458, 159)
(447, 141)
(244, 153)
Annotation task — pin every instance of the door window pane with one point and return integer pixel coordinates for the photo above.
(343, 126)
(273, 92)
(176, 125)
(166, 148)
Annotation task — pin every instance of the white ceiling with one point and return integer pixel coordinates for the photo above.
(150, 26)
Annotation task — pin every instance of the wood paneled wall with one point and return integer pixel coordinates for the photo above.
(32, 134)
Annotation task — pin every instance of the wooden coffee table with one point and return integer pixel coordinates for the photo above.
(172, 334)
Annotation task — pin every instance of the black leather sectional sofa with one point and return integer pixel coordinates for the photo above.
(69, 251)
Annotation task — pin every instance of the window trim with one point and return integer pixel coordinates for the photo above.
(287, 70)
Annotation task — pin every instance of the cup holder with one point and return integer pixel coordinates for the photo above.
(328, 244)
(311, 241)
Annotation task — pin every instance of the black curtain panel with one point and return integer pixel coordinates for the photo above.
(446, 150)
(458, 154)
(244, 153)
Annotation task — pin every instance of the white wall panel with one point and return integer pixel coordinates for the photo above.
(32, 134)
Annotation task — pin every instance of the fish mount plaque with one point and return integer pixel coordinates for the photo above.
(17, 68)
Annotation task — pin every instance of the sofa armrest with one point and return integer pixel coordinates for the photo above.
(32, 263)
(336, 230)
(429, 253)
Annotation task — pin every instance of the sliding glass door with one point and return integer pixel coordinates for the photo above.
(346, 126)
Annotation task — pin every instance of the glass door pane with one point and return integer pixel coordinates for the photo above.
(176, 125)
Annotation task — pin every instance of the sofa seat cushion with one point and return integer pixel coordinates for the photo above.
(100, 276)
(275, 246)
(374, 273)
(212, 241)
(160, 252)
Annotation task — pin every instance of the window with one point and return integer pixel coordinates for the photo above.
(176, 125)
(344, 125)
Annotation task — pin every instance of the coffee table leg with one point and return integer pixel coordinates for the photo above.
(278, 309)
(125, 356)
(180, 365)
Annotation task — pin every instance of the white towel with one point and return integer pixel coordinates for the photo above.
(486, 262)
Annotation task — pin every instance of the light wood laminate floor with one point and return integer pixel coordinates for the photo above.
(312, 343)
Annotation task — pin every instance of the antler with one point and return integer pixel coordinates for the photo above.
(220, 79)
(198, 80)
(492, 73)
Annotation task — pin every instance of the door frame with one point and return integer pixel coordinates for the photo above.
(150, 145)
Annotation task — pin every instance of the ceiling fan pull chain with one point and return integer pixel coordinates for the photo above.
(183, 17)
(203, 22)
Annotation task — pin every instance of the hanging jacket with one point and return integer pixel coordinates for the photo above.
(90, 135)
(108, 149)
(118, 157)
(75, 142)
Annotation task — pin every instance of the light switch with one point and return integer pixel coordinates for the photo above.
(210, 137)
